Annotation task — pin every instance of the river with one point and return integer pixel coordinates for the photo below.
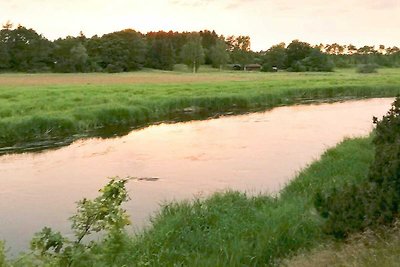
(257, 152)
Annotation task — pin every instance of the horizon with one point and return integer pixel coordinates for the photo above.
(266, 22)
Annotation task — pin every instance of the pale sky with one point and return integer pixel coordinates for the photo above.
(267, 22)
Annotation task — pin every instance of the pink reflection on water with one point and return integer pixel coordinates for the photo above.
(256, 152)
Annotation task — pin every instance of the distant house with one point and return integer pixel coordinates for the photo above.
(252, 67)
(236, 66)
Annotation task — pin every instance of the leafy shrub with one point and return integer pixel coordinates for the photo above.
(111, 68)
(298, 66)
(102, 214)
(318, 61)
(342, 63)
(367, 68)
(267, 67)
(2, 254)
(315, 61)
(376, 200)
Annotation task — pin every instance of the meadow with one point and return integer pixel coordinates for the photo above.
(228, 228)
(35, 107)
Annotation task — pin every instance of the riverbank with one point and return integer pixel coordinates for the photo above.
(61, 108)
(232, 228)
(235, 229)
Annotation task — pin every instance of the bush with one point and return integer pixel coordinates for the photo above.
(367, 68)
(266, 67)
(103, 214)
(318, 61)
(376, 200)
(297, 67)
(314, 61)
(111, 68)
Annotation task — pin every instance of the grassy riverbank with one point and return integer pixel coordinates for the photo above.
(43, 106)
(233, 229)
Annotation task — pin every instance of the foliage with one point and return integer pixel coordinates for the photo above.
(161, 55)
(24, 50)
(235, 229)
(317, 61)
(314, 59)
(124, 49)
(192, 53)
(239, 48)
(275, 57)
(226, 229)
(70, 55)
(104, 213)
(219, 55)
(375, 201)
(297, 51)
(367, 68)
(209, 40)
(3, 261)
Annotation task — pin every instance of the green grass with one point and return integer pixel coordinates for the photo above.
(38, 111)
(235, 229)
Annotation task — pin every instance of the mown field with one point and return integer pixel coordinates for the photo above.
(37, 107)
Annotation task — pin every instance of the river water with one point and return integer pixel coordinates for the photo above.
(257, 152)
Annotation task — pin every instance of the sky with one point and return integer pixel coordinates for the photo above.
(267, 22)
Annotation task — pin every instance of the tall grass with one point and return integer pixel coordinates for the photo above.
(40, 112)
(235, 229)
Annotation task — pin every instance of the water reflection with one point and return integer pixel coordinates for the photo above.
(256, 152)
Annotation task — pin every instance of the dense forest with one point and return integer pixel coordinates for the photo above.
(24, 50)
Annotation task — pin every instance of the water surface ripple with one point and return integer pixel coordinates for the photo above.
(256, 152)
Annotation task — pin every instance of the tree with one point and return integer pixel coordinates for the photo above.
(374, 201)
(192, 53)
(24, 49)
(218, 54)
(121, 51)
(79, 57)
(239, 48)
(241, 43)
(208, 40)
(160, 52)
(351, 49)
(334, 49)
(382, 49)
(317, 61)
(4, 53)
(69, 55)
(103, 213)
(297, 51)
(4, 56)
(275, 57)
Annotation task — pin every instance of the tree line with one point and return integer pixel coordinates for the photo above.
(24, 50)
